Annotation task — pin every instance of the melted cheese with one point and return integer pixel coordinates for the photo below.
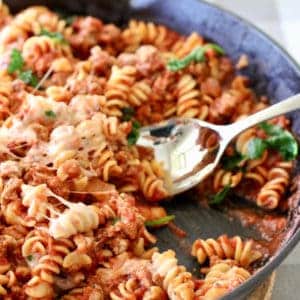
(85, 106)
(63, 138)
(36, 108)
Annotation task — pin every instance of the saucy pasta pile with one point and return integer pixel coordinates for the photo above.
(78, 197)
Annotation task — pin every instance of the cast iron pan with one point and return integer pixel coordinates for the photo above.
(272, 72)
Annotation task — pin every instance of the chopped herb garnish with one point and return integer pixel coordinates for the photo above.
(197, 55)
(230, 163)
(29, 78)
(115, 220)
(128, 113)
(161, 221)
(278, 139)
(16, 62)
(220, 196)
(57, 36)
(50, 114)
(134, 134)
(256, 148)
(29, 257)
(69, 20)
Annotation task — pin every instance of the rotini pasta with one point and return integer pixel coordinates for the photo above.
(232, 248)
(78, 197)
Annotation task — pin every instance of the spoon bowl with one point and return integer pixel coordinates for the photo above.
(190, 149)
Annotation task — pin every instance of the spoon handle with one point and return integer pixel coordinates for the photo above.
(291, 104)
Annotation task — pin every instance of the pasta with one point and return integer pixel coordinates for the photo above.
(175, 280)
(221, 278)
(78, 196)
(232, 248)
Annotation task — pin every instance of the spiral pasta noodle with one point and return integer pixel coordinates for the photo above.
(223, 247)
(175, 279)
(189, 103)
(277, 181)
(79, 196)
(118, 88)
(220, 279)
(139, 32)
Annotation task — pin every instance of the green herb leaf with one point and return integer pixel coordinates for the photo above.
(50, 114)
(219, 197)
(29, 78)
(29, 257)
(230, 163)
(69, 20)
(218, 49)
(271, 129)
(197, 55)
(16, 61)
(128, 113)
(57, 36)
(134, 134)
(280, 140)
(285, 144)
(115, 220)
(161, 221)
(256, 148)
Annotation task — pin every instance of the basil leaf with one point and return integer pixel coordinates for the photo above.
(29, 78)
(50, 114)
(215, 47)
(161, 221)
(16, 62)
(115, 220)
(29, 257)
(196, 55)
(230, 163)
(57, 36)
(256, 148)
(134, 134)
(280, 140)
(219, 197)
(285, 144)
(128, 113)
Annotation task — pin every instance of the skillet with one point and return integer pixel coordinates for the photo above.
(272, 72)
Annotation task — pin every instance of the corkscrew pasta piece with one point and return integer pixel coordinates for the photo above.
(33, 19)
(224, 178)
(139, 32)
(270, 194)
(118, 88)
(223, 247)
(175, 279)
(35, 198)
(40, 51)
(186, 45)
(74, 223)
(151, 181)
(189, 103)
(140, 93)
(79, 218)
(220, 280)
(7, 281)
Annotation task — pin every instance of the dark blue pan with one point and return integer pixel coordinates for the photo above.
(273, 72)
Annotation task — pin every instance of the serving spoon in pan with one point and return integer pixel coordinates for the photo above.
(190, 149)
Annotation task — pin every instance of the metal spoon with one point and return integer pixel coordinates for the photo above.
(190, 149)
